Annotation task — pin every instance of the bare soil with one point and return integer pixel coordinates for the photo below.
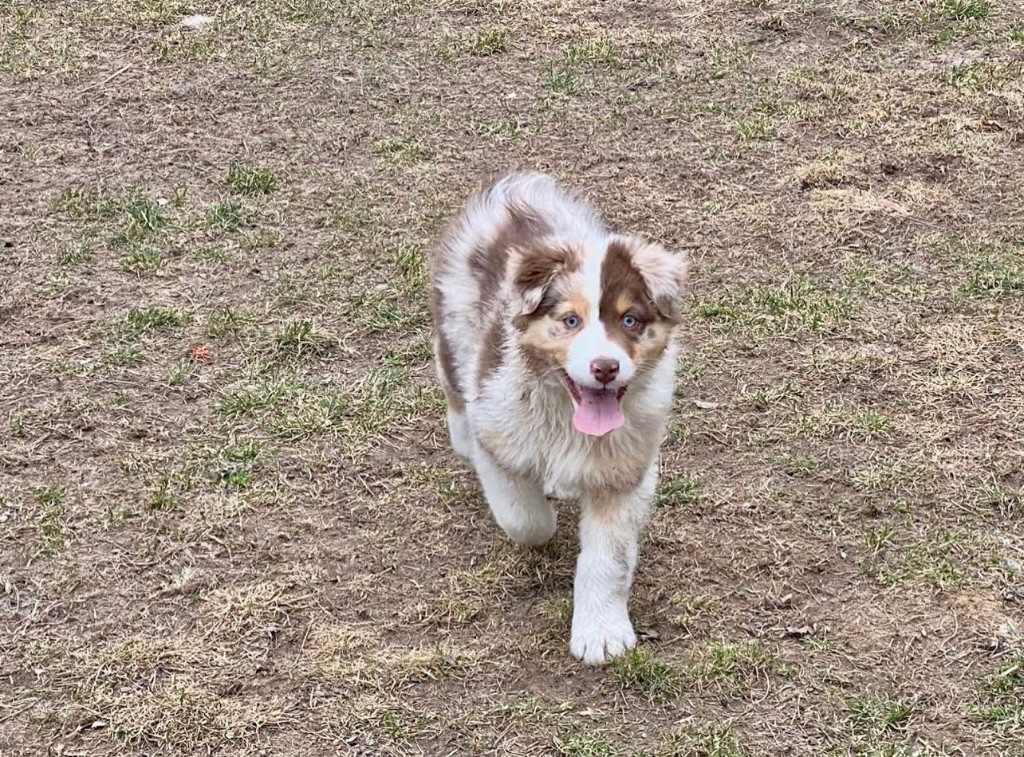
(230, 520)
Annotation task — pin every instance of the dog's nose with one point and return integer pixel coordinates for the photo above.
(604, 369)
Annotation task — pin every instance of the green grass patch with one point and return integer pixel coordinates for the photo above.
(76, 254)
(141, 218)
(941, 560)
(839, 420)
(800, 466)
(151, 319)
(501, 131)
(986, 75)
(182, 371)
(376, 311)
(682, 491)
(289, 406)
(887, 475)
(564, 81)
(876, 724)
(965, 10)
(707, 740)
(732, 666)
(1000, 704)
(163, 497)
(137, 216)
(987, 270)
(302, 339)
(418, 351)
(227, 321)
(760, 128)
(51, 519)
(596, 51)
(798, 305)
(124, 355)
(878, 538)
(142, 259)
(642, 672)
(777, 394)
(412, 267)
(573, 742)
(231, 216)
(397, 152)
(251, 181)
(481, 43)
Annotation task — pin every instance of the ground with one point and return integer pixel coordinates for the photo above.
(230, 520)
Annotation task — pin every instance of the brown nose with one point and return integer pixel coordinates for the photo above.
(604, 369)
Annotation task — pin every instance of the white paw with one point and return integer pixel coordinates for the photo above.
(598, 638)
(535, 531)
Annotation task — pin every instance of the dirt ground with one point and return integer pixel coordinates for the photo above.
(230, 520)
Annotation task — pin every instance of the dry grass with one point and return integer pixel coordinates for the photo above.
(229, 519)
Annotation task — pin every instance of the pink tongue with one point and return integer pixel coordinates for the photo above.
(598, 412)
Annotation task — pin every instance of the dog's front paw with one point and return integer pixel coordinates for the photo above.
(598, 638)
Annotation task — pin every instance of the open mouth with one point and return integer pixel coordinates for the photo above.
(598, 411)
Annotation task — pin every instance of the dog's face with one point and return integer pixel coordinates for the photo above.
(597, 319)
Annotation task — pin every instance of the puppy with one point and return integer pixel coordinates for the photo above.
(554, 347)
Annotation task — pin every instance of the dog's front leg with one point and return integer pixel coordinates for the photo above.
(517, 503)
(610, 528)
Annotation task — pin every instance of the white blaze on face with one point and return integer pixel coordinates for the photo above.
(590, 344)
(598, 408)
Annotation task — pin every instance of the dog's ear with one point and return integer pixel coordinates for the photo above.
(664, 273)
(533, 270)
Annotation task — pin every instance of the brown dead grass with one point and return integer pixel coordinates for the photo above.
(275, 552)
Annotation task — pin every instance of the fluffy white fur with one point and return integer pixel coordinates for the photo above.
(515, 428)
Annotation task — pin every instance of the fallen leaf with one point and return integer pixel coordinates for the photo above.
(200, 353)
(196, 22)
(705, 405)
(894, 206)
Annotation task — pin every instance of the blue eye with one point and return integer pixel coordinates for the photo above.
(630, 322)
(571, 321)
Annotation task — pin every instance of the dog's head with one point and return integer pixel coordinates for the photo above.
(598, 318)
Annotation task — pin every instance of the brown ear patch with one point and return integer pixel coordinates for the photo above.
(540, 264)
(488, 261)
(536, 273)
(624, 291)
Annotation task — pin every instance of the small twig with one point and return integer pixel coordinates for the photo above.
(15, 713)
(1009, 672)
(113, 76)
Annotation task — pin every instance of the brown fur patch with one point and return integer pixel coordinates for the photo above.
(443, 353)
(539, 272)
(575, 302)
(488, 262)
(543, 338)
(540, 264)
(541, 346)
(623, 291)
(492, 355)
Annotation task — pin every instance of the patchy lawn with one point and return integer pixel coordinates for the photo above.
(230, 521)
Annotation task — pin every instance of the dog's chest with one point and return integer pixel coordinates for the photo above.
(531, 433)
(569, 464)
